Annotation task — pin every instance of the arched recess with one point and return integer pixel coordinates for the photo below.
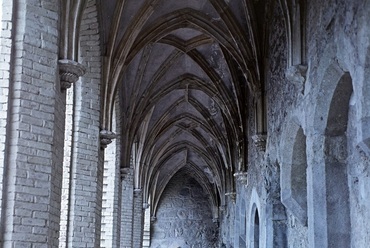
(157, 188)
(254, 235)
(329, 207)
(335, 149)
(254, 231)
(293, 176)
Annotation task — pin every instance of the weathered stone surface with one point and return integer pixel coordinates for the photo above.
(264, 103)
(184, 217)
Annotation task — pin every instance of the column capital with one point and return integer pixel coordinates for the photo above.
(69, 71)
(296, 74)
(145, 205)
(125, 172)
(138, 192)
(153, 219)
(232, 195)
(260, 141)
(241, 177)
(106, 137)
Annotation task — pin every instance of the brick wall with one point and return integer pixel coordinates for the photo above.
(138, 219)
(6, 9)
(35, 132)
(112, 191)
(127, 208)
(87, 156)
(66, 168)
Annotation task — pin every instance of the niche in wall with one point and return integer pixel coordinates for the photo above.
(335, 149)
(293, 172)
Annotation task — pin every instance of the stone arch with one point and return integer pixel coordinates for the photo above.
(330, 123)
(335, 149)
(255, 227)
(254, 210)
(293, 177)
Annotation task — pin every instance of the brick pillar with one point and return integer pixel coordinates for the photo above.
(111, 198)
(138, 221)
(5, 54)
(127, 207)
(85, 202)
(35, 129)
(86, 168)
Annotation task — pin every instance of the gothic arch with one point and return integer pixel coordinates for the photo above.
(254, 210)
(254, 235)
(293, 179)
(330, 121)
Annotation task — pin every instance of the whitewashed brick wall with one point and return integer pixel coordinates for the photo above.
(5, 52)
(138, 220)
(112, 190)
(127, 209)
(87, 157)
(34, 137)
(66, 169)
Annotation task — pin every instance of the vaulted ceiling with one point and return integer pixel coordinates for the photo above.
(183, 72)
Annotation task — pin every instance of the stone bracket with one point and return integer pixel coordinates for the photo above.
(260, 141)
(232, 195)
(106, 137)
(145, 205)
(69, 72)
(125, 172)
(153, 219)
(241, 177)
(297, 75)
(138, 192)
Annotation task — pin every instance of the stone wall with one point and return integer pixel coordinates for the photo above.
(336, 51)
(184, 217)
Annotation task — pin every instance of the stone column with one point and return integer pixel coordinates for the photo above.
(127, 207)
(138, 221)
(35, 128)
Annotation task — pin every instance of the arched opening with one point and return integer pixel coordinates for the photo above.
(256, 230)
(337, 191)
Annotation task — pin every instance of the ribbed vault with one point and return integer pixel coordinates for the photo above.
(184, 71)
